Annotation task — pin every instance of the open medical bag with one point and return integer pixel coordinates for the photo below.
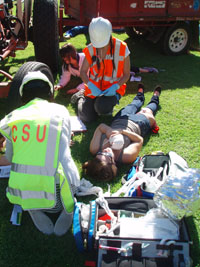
(133, 241)
(156, 167)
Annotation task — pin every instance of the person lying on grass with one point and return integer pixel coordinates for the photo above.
(122, 141)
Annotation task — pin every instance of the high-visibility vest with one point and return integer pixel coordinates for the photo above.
(34, 131)
(106, 76)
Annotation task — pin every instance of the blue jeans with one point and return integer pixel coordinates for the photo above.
(129, 112)
(77, 30)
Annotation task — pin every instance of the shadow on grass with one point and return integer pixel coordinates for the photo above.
(174, 71)
(195, 248)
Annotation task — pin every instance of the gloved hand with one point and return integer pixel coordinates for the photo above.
(94, 89)
(111, 90)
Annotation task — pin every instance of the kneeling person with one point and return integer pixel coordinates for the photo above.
(42, 170)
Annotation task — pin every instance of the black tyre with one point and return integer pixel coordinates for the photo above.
(14, 98)
(45, 32)
(176, 40)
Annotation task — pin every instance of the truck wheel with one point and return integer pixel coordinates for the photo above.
(14, 98)
(176, 40)
(45, 32)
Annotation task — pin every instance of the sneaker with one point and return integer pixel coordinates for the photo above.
(42, 221)
(63, 223)
(157, 90)
(75, 97)
(141, 88)
(151, 69)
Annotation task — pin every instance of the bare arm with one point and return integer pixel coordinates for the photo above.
(132, 136)
(131, 152)
(65, 157)
(84, 70)
(95, 142)
(126, 72)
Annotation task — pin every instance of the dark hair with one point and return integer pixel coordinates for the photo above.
(95, 58)
(99, 170)
(36, 88)
(67, 50)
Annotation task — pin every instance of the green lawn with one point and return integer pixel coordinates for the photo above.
(179, 122)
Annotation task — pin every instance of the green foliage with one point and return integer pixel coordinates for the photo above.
(178, 119)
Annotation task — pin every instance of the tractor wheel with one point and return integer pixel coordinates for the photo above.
(45, 32)
(14, 99)
(176, 40)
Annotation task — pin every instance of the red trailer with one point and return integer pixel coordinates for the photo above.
(175, 22)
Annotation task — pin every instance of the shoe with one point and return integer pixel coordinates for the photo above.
(150, 69)
(75, 97)
(42, 221)
(157, 89)
(141, 88)
(63, 223)
(132, 73)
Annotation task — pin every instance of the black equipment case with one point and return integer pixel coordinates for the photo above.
(118, 250)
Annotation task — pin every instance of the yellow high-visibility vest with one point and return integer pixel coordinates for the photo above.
(35, 132)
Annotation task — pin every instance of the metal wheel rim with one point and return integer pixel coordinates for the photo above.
(178, 40)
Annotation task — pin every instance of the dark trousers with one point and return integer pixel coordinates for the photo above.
(130, 112)
(89, 109)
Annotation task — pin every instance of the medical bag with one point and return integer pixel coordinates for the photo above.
(134, 239)
(153, 170)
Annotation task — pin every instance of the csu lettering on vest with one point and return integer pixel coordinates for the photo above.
(27, 132)
(105, 75)
(35, 131)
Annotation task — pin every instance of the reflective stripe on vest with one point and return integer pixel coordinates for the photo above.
(105, 76)
(33, 186)
(30, 194)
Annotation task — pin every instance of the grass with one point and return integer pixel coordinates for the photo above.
(178, 119)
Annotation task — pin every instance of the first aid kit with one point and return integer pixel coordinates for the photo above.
(149, 172)
(136, 232)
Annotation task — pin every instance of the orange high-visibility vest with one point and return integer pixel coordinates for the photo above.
(105, 76)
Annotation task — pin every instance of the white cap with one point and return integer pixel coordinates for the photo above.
(35, 75)
(100, 30)
(116, 141)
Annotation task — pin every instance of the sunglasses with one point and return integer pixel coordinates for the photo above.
(107, 154)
